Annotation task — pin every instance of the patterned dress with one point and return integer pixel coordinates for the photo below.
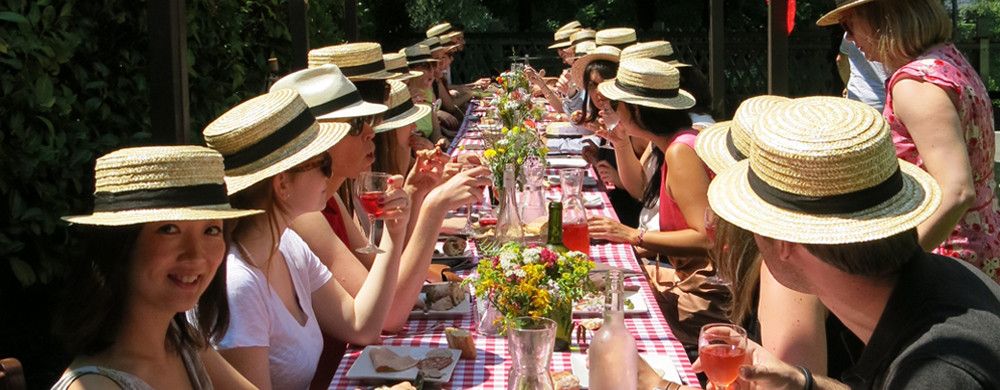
(975, 238)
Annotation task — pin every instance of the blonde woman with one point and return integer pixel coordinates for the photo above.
(941, 119)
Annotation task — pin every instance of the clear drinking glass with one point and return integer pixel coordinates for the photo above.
(530, 343)
(722, 349)
(370, 188)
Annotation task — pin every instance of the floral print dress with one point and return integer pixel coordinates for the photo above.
(975, 239)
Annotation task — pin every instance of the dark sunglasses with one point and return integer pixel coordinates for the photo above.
(358, 123)
(323, 162)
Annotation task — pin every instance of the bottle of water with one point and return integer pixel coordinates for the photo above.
(612, 353)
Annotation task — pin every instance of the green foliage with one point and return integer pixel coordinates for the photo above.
(472, 13)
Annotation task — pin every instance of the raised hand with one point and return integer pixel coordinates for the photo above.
(461, 189)
(611, 230)
(397, 207)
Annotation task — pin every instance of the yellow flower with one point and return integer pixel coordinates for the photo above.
(490, 153)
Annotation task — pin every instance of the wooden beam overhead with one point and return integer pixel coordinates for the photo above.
(777, 48)
(351, 20)
(169, 101)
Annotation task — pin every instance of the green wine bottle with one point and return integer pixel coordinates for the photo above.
(554, 242)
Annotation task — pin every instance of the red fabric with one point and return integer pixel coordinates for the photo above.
(336, 219)
(671, 217)
(791, 14)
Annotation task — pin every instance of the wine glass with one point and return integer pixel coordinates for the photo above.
(722, 349)
(371, 188)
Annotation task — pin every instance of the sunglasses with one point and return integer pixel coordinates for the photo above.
(323, 162)
(358, 123)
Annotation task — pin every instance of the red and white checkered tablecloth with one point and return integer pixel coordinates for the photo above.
(492, 364)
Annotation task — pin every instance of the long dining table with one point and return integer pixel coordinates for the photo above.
(492, 365)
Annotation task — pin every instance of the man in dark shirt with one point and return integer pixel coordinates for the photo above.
(834, 214)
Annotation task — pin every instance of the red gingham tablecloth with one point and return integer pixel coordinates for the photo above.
(492, 364)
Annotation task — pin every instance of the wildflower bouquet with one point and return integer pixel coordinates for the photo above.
(532, 281)
(511, 81)
(513, 146)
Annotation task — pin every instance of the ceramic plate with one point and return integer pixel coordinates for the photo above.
(659, 362)
(364, 369)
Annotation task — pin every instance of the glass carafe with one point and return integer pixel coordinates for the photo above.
(576, 235)
(530, 343)
(509, 228)
(612, 352)
(532, 198)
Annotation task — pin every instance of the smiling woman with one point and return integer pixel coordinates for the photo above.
(154, 248)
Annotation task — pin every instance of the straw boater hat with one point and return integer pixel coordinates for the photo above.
(574, 25)
(580, 36)
(833, 17)
(358, 61)
(562, 39)
(267, 135)
(648, 82)
(159, 183)
(607, 53)
(451, 40)
(328, 93)
(434, 43)
(657, 50)
(824, 171)
(439, 29)
(620, 37)
(418, 54)
(581, 49)
(396, 63)
(402, 111)
(721, 145)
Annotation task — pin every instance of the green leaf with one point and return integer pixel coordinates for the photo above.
(23, 272)
(13, 17)
(43, 91)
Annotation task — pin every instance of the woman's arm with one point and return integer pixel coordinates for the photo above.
(930, 116)
(349, 270)
(222, 374)
(536, 79)
(692, 199)
(629, 166)
(251, 362)
(792, 324)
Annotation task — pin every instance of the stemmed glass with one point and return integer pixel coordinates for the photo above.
(722, 349)
(371, 188)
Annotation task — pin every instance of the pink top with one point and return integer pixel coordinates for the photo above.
(975, 238)
(671, 217)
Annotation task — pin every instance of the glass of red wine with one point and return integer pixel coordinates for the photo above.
(370, 188)
(722, 349)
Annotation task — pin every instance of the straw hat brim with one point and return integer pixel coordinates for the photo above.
(560, 45)
(408, 75)
(328, 134)
(711, 147)
(380, 75)
(576, 72)
(355, 110)
(833, 17)
(423, 61)
(732, 199)
(132, 217)
(418, 112)
(682, 101)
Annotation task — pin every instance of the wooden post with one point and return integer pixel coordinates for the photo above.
(777, 48)
(351, 20)
(717, 58)
(298, 27)
(169, 114)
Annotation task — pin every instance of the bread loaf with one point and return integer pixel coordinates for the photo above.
(461, 339)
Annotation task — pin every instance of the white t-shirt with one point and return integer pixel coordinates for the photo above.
(701, 121)
(258, 318)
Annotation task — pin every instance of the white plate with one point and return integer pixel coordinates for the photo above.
(566, 129)
(459, 310)
(439, 253)
(659, 362)
(566, 162)
(364, 369)
(638, 306)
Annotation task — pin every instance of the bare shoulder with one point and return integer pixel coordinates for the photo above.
(93, 381)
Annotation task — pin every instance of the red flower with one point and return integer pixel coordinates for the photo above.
(530, 123)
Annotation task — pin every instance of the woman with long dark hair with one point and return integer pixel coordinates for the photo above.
(154, 246)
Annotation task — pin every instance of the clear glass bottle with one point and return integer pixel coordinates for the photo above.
(612, 351)
(532, 205)
(509, 226)
(576, 235)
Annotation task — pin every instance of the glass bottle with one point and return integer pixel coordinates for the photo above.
(612, 351)
(554, 240)
(576, 235)
(532, 199)
(508, 221)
